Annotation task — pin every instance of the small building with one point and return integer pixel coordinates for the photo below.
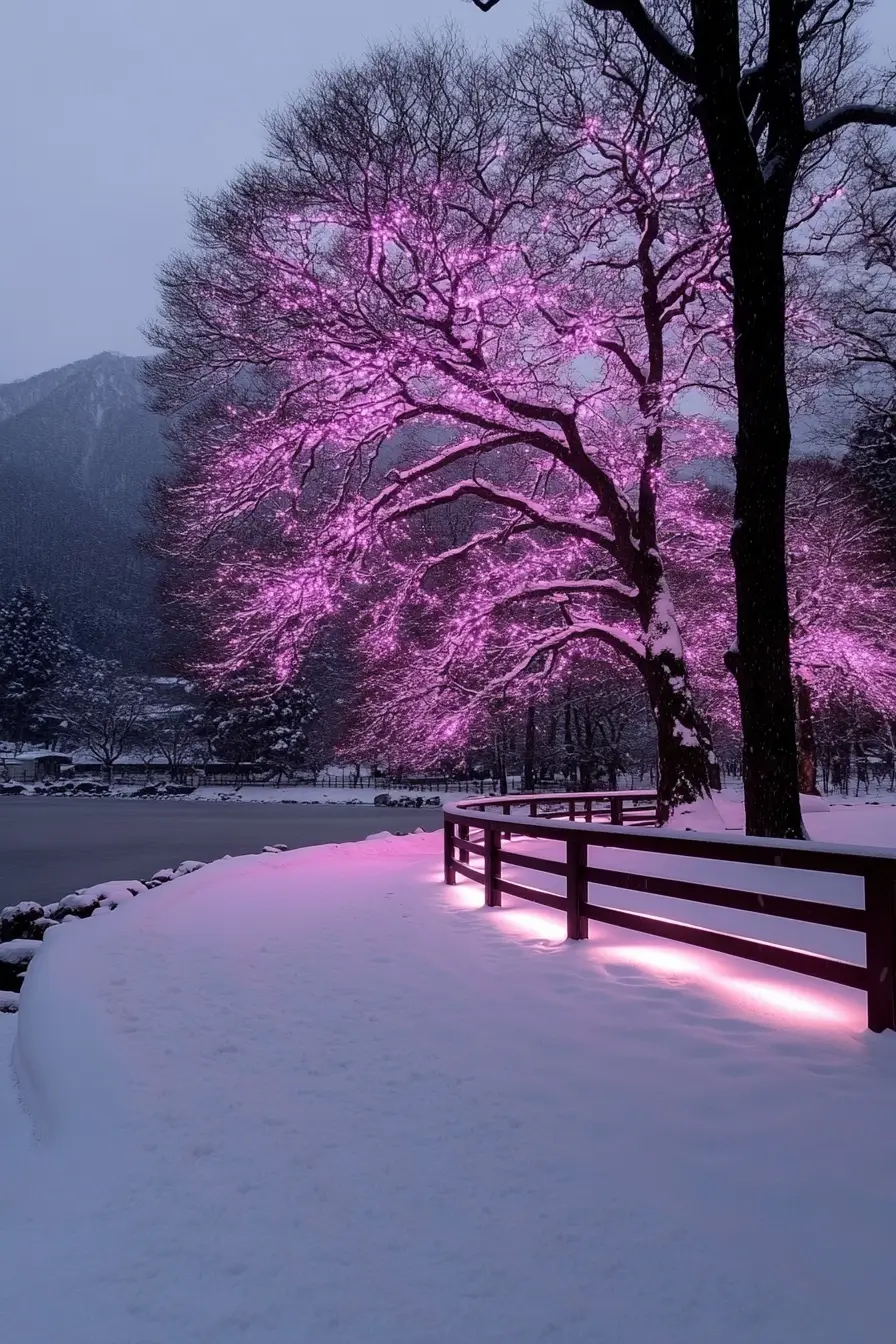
(31, 766)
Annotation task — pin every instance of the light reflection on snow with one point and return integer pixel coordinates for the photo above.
(523, 921)
(467, 895)
(663, 960)
(533, 924)
(804, 1005)
(771, 1001)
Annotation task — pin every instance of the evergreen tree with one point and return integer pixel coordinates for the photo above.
(32, 652)
(270, 731)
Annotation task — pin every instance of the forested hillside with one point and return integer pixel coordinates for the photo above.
(78, 452)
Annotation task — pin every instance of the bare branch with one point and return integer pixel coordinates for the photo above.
(854, 114)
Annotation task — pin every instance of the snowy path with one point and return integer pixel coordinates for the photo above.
(316, 1097)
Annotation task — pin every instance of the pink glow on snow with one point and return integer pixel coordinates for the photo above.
(796, 1004)
(784, 1003)
(530, 923)
(772, 1002)
(665, 961)
(467, 895)
(520, 921)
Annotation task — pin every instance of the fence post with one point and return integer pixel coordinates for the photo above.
(576, 888)
(506, 810)
(463, 833)
(615, 811)
(589, 804)
(492, 838)
(880, 945)
(450, 875)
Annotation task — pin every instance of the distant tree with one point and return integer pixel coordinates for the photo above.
(101, 711)
(268, 731)
(871, 462)
(864, 292)
(330, 675)
(605, 721)
(176, 736)
(32, 654)
(865, 287)
(842, 596)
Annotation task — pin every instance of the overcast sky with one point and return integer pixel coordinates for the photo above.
(113, 110)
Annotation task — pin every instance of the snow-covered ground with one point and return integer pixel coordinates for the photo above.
(318, 1096)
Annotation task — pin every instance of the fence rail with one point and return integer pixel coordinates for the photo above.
(610, 821)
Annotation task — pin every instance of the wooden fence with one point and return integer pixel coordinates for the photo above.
(611, 821)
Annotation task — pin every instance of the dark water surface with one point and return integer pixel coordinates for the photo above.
(51, 846)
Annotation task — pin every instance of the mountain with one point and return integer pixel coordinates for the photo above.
(78, 453)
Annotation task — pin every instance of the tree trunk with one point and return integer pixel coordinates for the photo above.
(568, 750)
(761, 662)
(529, 750)
(500, 763)
(806, 744)
(684, 744)
(684, 749)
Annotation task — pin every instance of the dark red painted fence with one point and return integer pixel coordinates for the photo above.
(616, 821)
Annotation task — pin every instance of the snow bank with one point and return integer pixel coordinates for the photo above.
(318, 1096)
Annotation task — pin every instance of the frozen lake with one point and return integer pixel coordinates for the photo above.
(51, 846)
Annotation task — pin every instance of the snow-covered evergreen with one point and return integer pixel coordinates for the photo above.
(269, 731)
(32, 651)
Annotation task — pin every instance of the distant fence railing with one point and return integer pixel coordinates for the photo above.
(222, 777)
(478, 827)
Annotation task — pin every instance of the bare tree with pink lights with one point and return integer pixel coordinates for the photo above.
(437, 354)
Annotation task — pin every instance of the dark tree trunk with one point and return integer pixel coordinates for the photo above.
(762, 660)
(584, 736)
(806, 744)
(684, 744)
(569, 765)
(501, 763)
(529, 751)
(684, 751)
(755, 187)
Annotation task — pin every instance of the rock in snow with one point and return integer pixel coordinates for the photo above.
(83, 903)
(188, 866)
(17, 921)
(15, 958)
(163, 875)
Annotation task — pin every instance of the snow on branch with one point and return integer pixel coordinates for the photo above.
(851, 114)
(507, 499)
